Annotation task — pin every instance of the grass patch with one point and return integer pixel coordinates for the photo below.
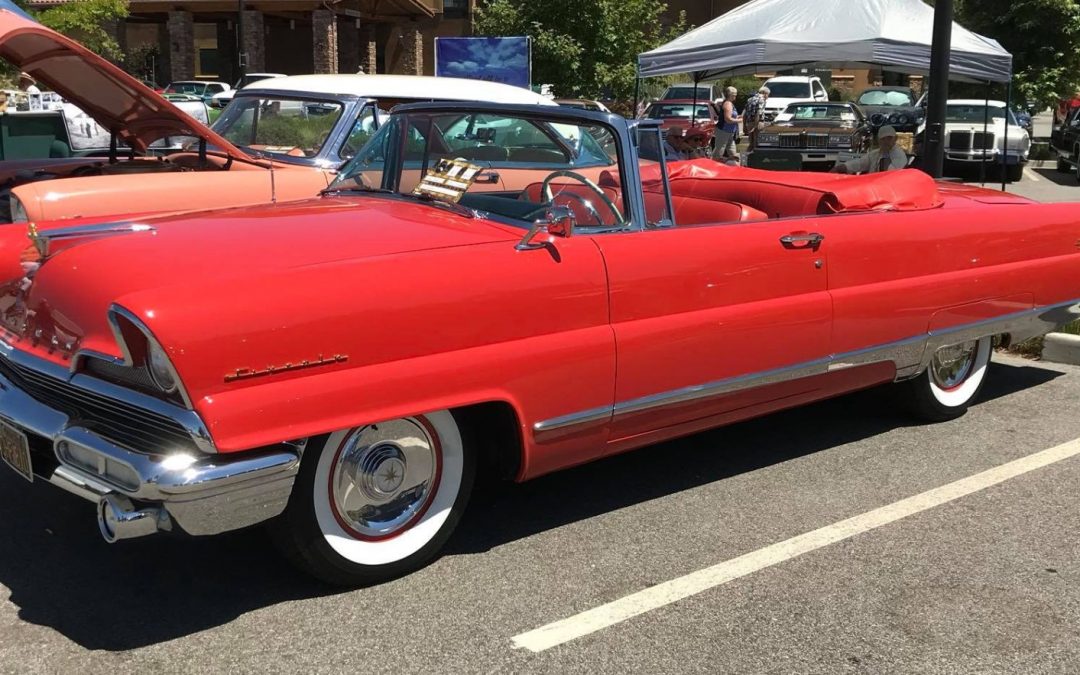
(1033, 348)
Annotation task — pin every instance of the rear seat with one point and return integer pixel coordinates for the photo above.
(785, 194)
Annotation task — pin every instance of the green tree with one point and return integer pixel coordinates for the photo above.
(583, 48)
(1042, 35)
(85, 21)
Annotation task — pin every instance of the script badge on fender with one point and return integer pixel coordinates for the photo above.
(448, 180)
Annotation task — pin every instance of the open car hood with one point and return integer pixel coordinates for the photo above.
(116, 100)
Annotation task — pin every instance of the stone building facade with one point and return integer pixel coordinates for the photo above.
(188, 39)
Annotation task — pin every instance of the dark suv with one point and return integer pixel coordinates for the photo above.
(1065, 140)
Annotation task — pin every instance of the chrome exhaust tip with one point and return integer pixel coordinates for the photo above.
(119, 519)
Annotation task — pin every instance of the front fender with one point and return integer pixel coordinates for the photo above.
(390, 336)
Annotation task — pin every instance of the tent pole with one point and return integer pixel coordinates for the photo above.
(1005, 143)
(986, 126)
(934, 140)
(693, 111)
(637, 96)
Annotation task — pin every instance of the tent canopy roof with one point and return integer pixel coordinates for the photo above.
(895, 34)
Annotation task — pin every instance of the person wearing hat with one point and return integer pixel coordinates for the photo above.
(697, 141)
(26, 83)
(885, 157)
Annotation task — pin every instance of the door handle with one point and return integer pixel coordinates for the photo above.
(798, 240)
(489, 177)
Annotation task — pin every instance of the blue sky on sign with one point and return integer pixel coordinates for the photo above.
(496, 59)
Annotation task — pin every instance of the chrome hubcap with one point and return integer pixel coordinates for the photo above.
(384, 476)
(952, 365)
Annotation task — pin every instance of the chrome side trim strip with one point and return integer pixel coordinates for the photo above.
(910, 356)
(585, 417)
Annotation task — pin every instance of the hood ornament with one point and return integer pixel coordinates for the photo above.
(42, 240)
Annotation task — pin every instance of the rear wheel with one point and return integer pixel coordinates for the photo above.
(951, 382)
(378, 501)
(1014, 173)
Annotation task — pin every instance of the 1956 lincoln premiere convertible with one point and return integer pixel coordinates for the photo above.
(341, 368)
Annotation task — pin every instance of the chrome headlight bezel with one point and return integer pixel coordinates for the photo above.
(840, 141)
(160, 368)
(768, 139)
(142, 350)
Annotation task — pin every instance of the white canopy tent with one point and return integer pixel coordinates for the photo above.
(764, 34)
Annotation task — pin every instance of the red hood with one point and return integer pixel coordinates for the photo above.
(71, 292)
(116, 100)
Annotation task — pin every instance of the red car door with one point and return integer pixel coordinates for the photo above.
(705, 316)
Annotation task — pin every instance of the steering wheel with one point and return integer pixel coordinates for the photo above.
(548, 197)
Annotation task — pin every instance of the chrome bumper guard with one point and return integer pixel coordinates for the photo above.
(203, 494)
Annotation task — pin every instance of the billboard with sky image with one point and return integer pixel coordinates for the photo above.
(496, 59)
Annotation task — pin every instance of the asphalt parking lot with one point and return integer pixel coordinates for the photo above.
(985, 581)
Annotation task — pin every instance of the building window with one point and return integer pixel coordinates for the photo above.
(455, 9)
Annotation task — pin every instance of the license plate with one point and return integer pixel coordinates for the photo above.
(15, 451)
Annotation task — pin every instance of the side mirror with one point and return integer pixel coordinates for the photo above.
(557, 222)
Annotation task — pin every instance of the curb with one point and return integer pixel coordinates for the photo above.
(1062, 348)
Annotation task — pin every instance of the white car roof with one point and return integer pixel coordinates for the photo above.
(790, 78)
(422, 87)
(199, 82)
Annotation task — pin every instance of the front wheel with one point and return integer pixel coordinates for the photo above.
(378, 501)
(1014, 173)
(951, 382)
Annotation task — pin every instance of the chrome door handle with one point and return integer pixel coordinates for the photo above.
(489, 177)
(811, 240)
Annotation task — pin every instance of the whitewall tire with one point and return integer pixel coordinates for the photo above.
(374, 502)
(952, 381)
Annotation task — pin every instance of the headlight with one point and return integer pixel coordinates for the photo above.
(18, 211)
(902, 119)
(161, 370)
(768, 139)
(840, 141)
(894, 118)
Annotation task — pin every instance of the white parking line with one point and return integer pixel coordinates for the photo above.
(1032, 175)
(620, 610)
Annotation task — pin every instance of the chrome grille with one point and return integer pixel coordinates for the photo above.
(983, 141)
(790, 140)
(122, 423)
(817, 141)
(960, 140)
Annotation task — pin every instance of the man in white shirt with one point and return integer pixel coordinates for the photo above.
(885, 157)
(26, 83)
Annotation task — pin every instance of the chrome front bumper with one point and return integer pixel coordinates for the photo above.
(202, 493)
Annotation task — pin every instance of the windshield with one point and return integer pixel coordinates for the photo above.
(886, 98)
(196, 88)
(811, 111)
(285, 127)
(678, 110)
(975, 113)
(497, 163)
(789, 89)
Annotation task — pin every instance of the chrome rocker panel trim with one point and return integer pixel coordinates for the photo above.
(910, 357)
(203, 494)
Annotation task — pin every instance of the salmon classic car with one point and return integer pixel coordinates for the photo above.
(342, 368)
(280, 139)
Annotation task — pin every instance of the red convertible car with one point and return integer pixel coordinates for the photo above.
(341, 368)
